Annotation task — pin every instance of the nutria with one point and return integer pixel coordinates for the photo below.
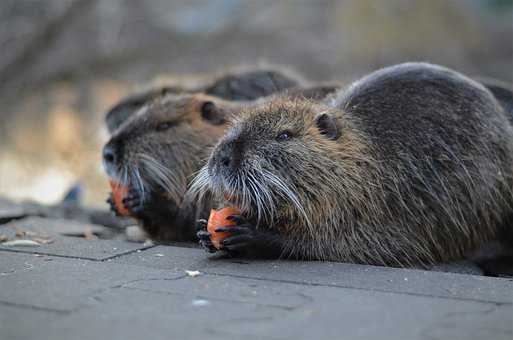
(242, 84)
(411, 165)
(127, 106)
(253, 84)
(156, 151)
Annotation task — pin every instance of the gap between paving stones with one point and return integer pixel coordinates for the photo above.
(36, 308)
(205, 271)
(77, 257)
(314, 284)
(310, 284)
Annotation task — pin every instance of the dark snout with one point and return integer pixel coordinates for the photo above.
(228, 155)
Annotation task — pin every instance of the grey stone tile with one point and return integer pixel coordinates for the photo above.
(210, 307)
(399, 280)
(77, 247)
(10, 210)
(64, 284)
(167, 257)
(23, 323)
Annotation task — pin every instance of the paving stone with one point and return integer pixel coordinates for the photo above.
(64, 284)
(10, 210)
(149, 295)
(13, 262)
(167, 257)
(226, 308)
(22, 323)
(65, 246)
(459, 267)
(57, 226)
(400, 280)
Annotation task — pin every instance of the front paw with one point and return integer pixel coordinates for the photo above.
(112, 204)
(134, 202)
(203, 235)
(246, 240)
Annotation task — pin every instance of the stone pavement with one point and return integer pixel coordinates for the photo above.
(74, 287)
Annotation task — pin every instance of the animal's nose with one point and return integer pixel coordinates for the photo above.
(109, 154)
(231, 153)
(225, 157)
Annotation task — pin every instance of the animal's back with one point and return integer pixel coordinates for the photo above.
(444, 149)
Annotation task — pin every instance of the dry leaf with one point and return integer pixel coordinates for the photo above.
(21, 243)
(19, 232)
(88, 234)
(43, 240)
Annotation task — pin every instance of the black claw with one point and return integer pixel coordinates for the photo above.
(233, 230)
(233, 240)
(201, 224)
(237, 219)
(205, 241)
(203, 235)
(236, 247)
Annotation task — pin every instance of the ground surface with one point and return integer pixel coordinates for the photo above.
(74, 287)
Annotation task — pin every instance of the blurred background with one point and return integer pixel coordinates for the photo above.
(63, 63)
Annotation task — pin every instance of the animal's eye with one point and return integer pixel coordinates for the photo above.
(165, 126)
(284, 135)
(137, 103)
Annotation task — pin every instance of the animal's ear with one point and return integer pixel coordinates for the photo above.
(126, 108)
(328, 126)
(117, 115)
(213, 113)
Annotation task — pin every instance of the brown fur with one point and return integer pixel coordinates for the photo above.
(181, 150)
(412, 165)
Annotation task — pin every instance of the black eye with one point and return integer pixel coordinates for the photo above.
(284, 135)
(165, 126)
(137, 103)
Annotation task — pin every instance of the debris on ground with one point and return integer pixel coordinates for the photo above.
(134, 233)
(21, 243)
(200, 303)
(89, 235)
(192, 273)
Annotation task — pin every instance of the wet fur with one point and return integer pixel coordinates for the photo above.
(158, 165)
(421, 172)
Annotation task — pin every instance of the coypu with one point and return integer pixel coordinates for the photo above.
(157, 150)
(410, 165)
(127, 106)
(243, 84)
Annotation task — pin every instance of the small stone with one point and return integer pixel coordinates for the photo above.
(192, 273)
(134, 233)
(158, 255)
(148, 243)
(21, 243)
(200, 303)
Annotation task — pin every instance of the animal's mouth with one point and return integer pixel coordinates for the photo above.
(237, 200)
(230, 197)
(112, 171)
